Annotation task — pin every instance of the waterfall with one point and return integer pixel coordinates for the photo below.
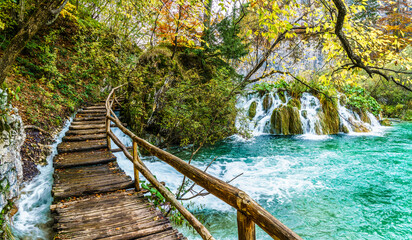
(309, 113)
(260, 123)
(256, 113)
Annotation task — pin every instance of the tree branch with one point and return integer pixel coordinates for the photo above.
(355, 59)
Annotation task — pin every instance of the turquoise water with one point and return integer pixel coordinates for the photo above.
(342, 187)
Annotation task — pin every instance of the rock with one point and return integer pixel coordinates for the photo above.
(282, 96)
(343, 128)
(329, 117)
(252, 110)
(279, 121)
(286, 120)
(304, 113)
(385, 122)
(364, 116)
(295, 125)
(295, 102)
(11, 139)
(267, 102)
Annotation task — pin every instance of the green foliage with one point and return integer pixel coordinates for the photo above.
(187, 100)
(165, 207)
(358, 98)
(229, 45)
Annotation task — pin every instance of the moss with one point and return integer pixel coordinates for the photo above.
(295, 102)
(385, 122)
(282, 96)
(344, 129)
(295, 125)
(267, 102)
(252, 110)
(286, 120)
(329, 117)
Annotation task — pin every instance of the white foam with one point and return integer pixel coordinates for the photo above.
(33, 215)
(310, 136)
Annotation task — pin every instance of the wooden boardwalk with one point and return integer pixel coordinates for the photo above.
(93, 197)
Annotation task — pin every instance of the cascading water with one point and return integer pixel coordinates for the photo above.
(33, 217)
(257, 109)
(309, 113)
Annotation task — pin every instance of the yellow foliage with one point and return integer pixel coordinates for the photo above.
(68, 11)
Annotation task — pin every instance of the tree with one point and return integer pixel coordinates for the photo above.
(46, 12)
(347, 44)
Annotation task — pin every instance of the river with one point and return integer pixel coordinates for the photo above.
(346, 186)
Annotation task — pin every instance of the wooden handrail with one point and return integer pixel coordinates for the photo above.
(249, 211)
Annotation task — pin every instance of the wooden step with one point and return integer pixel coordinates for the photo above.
(86, 126)
(76, 159)
(90, 115)
(81, 119)
(95, 107)
(86, 132)
(66, 147)
(92, 111)
(97, 217)
(74, 182)
(84, 137)
(103, 121)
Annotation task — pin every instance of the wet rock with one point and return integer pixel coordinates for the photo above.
(385, 122)
(267, 102)
(11, 139)
(252, 110)
(304, 113)
(282, 96)
(329, 117)
(295, 102)
(286, 120)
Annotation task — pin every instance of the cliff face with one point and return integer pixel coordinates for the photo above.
(11, 139)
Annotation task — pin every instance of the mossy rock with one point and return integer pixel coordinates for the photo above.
(252, 110)
(344, 129)
(329, 117)
(304, 113)
(267, 102)
(364, 117)
(295, 125)
(385, 122)
(279, 121)
(295, 102)
(282, 96)
(286, 120)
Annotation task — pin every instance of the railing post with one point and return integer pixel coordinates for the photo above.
(136, 172)
(245, 227)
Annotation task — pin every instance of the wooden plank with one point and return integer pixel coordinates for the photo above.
(90, 115)
(87, 111)
(101, 217)
(86, 126)
(102, 121)
(81, 118)
(85, 132)
(73, 182)
(65, 147)
(84, 137)
(76, 159)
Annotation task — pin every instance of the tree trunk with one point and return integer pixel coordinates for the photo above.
(44, 13)
(207, 19)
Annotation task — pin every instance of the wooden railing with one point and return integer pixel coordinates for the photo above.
(249, 212)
